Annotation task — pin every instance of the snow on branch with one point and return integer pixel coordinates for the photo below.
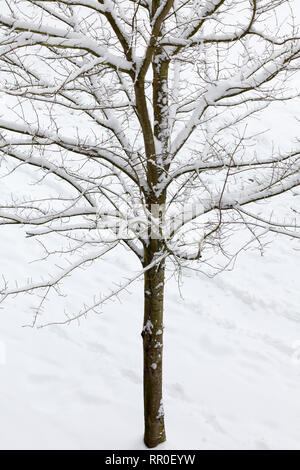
(142, 124)
(30, 35)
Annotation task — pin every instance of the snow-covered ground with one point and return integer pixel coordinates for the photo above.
(232, 379)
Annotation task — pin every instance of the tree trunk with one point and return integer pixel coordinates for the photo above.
(153, 344)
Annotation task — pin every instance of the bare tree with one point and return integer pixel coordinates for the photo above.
(138, 109)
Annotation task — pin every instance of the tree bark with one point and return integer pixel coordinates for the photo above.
(154, 281)
(154, 278)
